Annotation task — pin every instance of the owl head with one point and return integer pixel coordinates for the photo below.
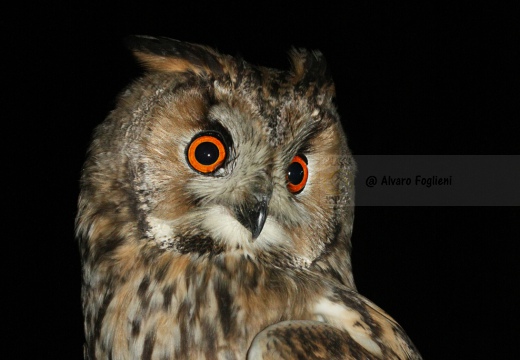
(207, 155)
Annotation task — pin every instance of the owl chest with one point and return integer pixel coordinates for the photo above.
(207, 315)
(224, 313)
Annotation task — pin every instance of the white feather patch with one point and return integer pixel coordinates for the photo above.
(272, 234)
(349, 320)
(222, 226)
(161, 231)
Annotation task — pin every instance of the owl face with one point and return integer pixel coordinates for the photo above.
(222, 157)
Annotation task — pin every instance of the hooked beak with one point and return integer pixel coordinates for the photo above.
(253, 216)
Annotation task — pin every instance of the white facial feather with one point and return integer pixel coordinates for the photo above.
(222, 226)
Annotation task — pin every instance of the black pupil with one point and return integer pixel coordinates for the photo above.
(206, 153)
(295, 173)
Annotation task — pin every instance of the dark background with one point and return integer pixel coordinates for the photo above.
(411, 79)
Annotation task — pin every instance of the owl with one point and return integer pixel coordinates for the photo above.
(215, 216)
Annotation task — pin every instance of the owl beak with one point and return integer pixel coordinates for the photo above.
(253, 217)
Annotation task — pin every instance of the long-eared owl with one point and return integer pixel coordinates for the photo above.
(215, 216)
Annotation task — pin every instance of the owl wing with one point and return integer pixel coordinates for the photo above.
(346, 326)
(305, 339)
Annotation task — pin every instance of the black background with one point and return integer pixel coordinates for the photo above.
(422, 78)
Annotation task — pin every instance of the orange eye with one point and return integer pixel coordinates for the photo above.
(206, 153)
(297, 174)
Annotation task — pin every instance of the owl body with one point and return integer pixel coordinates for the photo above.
(215, 217)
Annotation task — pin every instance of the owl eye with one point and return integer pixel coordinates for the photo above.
(206, 153)
(297, 174)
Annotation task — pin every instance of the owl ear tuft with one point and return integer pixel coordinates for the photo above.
(170, 55)
(310, 67)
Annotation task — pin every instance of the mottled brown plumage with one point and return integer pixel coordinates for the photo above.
(228, 264)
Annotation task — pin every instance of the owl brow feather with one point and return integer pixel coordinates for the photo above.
(304, 136)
